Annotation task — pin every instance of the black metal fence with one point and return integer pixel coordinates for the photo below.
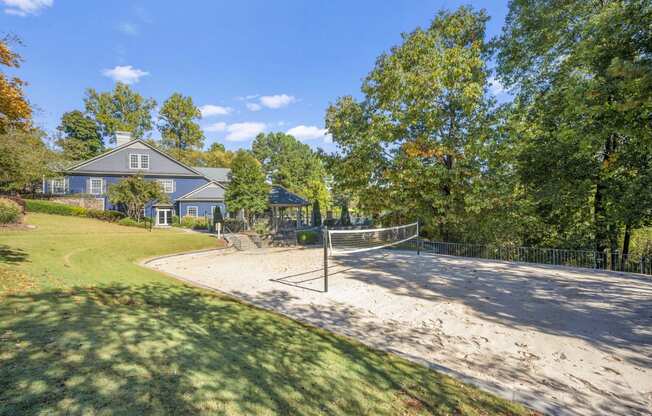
(632, 263)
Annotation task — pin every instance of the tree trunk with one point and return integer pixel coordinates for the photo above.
(626, 240)
(602, 234)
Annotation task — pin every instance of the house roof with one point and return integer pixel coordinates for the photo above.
(212, 191)
(78, 166)
(214, 174)
(280, 196)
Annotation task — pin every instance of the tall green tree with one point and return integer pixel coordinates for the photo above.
(248, 189)
(25, 160)
(292, 164)
(177, 122)
(410, 146)
(134, 193)
(81, 138)
(217, 157)
(582, 72)
(122, 109)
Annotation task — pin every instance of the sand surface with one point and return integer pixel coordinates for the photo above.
(563, 341)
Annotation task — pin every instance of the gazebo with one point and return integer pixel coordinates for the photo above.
(287, 209)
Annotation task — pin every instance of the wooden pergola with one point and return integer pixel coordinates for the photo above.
(287, 209)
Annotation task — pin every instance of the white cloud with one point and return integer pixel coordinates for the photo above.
(25, 7)
(495, 86)
(128, 28)
(254, 106)
(209, 110)
(277, 101)
(126, 74)
(221, 126)
(303, 133)
(238, 132)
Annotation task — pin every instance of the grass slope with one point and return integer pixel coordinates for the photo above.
(83, 330)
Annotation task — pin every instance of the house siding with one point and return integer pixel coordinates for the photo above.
(203, 207)
(77, 184)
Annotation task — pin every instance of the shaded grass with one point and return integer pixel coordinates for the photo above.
(83, 330)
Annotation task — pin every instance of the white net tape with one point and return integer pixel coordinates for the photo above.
(356, 241)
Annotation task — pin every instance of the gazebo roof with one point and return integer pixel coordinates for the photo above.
(281, 197)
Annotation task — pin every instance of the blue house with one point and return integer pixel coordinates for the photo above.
(193, 191)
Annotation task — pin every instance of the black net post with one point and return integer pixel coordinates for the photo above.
(418, 240)
(325, 240)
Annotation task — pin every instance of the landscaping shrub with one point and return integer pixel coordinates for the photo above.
(198, 223)
(307, 237)
(130, 222)
(47, 207)
(9, 211)
(56, 208)
(111, 216)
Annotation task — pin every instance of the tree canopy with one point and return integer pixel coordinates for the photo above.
(81, 138)
(410, 146)
(177, 122)
(292, 164)
(248, 189)
(24, 160)
(15, 110)
(134, 193)
(582, 72)
(122, 109)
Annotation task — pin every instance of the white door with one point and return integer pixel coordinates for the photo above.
(163, 216)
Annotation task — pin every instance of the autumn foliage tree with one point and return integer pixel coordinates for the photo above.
(15, 111)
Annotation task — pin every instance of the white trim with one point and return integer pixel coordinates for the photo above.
(167, 217)
(163, 183)
(140, 157)
(371, 230)
(63, 187)
(188, 211)
(194, 191)
(90, 186)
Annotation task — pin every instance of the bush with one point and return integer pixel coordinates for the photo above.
(55, 208)
(9, 211)
(110, 216)
(195, 223)
(307, 237)
(129, 222)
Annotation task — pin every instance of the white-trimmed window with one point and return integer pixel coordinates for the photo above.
(167, 185)
(138, 161)
(192, 211)
(96, 186)
(58, 186)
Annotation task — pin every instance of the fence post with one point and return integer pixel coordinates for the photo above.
(325, 239)
(418, 240)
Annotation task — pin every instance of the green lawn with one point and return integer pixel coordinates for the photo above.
(84, 330)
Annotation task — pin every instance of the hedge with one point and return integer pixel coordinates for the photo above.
(55, 208)
(195, 223)
(129, 222)
(10, 211)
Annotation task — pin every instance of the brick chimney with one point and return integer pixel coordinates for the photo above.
(122, 137)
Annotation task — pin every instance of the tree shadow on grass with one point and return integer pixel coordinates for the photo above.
(177, 350)
(10, 255)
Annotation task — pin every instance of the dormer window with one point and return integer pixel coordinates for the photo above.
(137, 161)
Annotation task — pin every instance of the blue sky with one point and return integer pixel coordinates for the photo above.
(251, 65)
